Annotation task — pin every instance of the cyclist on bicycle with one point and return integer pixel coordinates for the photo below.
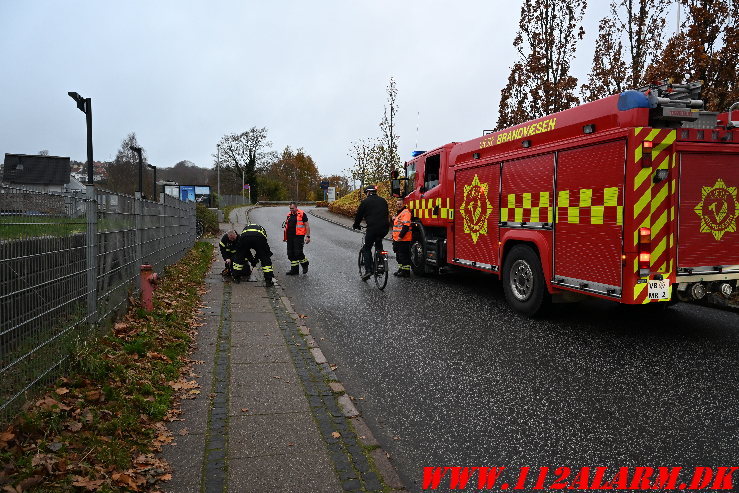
(374, 211)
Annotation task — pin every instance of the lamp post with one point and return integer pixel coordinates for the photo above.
(137, 150)
(85, 106)
(154, 188)
(218, 171)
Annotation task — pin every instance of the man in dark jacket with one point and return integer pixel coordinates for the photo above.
(254, 237)
(228, 251)
(374, 211)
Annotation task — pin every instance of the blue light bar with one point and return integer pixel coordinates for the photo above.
(416, 153)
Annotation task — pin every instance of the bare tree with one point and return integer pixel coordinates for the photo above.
(244, 153)
(705, 48)
(360, 152)
(640, 25)
(540, 82)
(389, 139)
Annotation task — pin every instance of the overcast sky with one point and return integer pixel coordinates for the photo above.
(181, 74)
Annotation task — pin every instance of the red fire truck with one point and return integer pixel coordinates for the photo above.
(631, 198)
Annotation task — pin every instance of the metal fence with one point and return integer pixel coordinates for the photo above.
(67, 264)
(227, 200)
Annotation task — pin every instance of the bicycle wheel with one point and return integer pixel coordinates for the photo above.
(381, 269)
(360, 262)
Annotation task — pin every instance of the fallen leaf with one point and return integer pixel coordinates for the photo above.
(74, 426)
(165, 477)
(61, 391)
(244, 410)
(183, 431)
(336, 434)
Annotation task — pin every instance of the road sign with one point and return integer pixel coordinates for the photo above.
(324, 185)
(331, 195)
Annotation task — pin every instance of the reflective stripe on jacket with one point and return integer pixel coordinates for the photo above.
(299, 222)
(402, 220)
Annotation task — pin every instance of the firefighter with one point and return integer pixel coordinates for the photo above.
(296, 232)
(402, 239)
(253, 237)
(374, 211)
(228, 250)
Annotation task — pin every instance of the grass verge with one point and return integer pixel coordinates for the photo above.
(99, 428)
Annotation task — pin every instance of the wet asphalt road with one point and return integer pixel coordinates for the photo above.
(446, 374)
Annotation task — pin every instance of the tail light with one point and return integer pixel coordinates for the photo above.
(646, 154)
(645, 248)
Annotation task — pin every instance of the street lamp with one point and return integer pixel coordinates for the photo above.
(155, 180)
(218, 171)
(137, 150)
(85, 106)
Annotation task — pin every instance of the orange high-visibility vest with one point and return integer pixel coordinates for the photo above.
(299, 223)
(402, 219)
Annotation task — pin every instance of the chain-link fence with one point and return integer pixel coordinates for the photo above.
(67, 265)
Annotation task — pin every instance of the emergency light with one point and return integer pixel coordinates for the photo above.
(646, 154)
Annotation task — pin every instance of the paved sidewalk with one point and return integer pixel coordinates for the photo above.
(271, 415)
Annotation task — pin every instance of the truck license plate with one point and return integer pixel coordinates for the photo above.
(659, 289)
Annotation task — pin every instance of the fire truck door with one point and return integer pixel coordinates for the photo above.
(588, 232)
(708, 211)
(476, 217)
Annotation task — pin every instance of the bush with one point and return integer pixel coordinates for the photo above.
(347, 205)
(208, 218)
(321, 203)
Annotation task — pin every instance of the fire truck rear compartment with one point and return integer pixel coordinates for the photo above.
(707, 236)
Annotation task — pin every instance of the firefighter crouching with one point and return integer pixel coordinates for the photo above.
(296, 232)
(253, 237)
(228, 250)
(402, 239)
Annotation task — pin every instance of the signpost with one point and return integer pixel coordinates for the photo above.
(331, 193)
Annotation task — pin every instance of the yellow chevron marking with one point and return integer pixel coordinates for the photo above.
(642, 203)
(659, 198)
(642, 175)
(638, 290)
(659, 249)
(659, 223)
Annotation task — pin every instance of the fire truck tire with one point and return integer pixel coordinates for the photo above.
(418, 258)
(523, 281)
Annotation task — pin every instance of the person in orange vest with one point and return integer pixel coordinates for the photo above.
(297, 234)
(402, 239)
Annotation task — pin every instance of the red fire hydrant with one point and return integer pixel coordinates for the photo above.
(148, 281)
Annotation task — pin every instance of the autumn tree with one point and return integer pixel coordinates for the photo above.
(242, 154)
(706, 48)
(341, 183)
(540, 82)
(123, 172)
(298, 172)
(627, 42)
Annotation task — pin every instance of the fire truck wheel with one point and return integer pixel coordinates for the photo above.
(523, 281)
(418, 257)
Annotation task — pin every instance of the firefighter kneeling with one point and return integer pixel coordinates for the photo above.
(402, 239)
(253, 237)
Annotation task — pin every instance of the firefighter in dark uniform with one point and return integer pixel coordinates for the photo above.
(228, 250)
(402, 239)
(374, 211)
(297, 234)
(253, 237)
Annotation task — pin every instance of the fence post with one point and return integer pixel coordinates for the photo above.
(91, 253)
(139, 216)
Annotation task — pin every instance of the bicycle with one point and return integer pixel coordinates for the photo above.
(380, 264)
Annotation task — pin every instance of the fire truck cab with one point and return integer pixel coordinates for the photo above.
(631, 198)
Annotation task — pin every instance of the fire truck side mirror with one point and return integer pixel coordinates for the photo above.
(395, 187)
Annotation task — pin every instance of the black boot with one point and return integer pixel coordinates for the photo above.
(305, 267)
(294, 271)
(268, 282)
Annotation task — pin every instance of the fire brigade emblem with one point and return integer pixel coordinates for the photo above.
(718, 209)
(476, 209)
